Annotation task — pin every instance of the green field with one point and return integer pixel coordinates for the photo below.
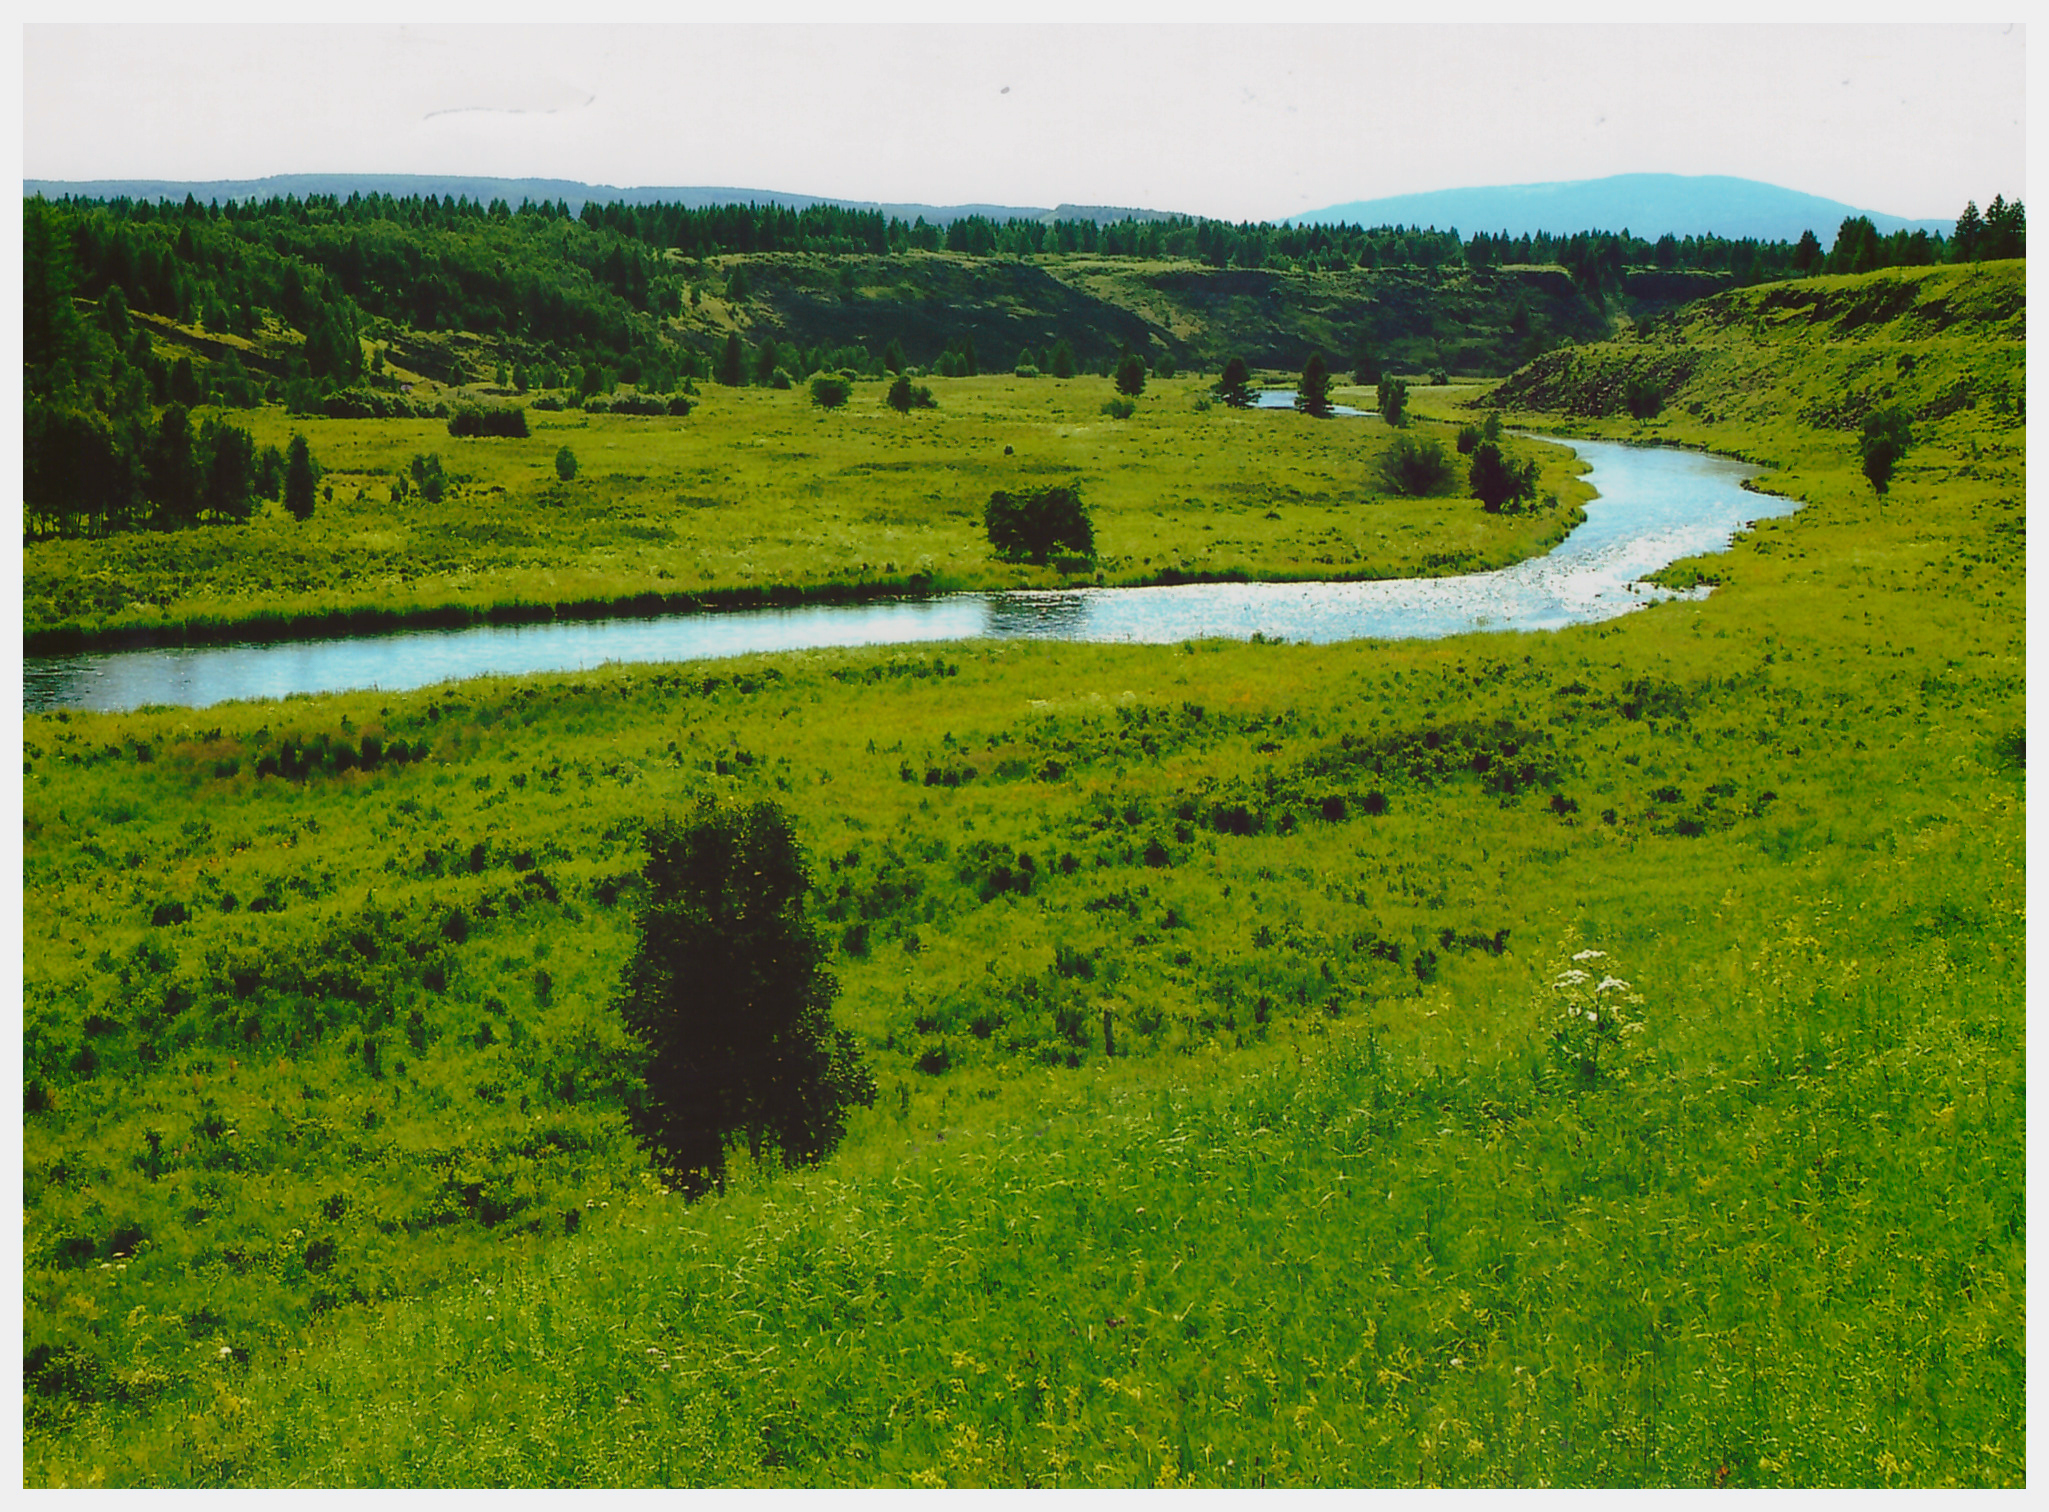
(326, 1175)
(759, 494)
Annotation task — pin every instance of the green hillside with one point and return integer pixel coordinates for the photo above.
(326, 1176)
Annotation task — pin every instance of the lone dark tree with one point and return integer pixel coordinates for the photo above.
(1498, 478)
(1312, 394)
(729, 996)
(565, 464)
(302, 476)
(732, 362)
(905, 396)
(1885, 439)
(1036, 524)
(1131, 375)
(1393, 398)
(1234, 384)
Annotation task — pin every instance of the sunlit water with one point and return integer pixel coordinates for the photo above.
(1655, 507)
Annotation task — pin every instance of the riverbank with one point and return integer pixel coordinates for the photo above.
(1655, 507)
(758, 498)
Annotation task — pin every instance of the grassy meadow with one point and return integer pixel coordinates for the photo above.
(1240, 1122)
(759, 495)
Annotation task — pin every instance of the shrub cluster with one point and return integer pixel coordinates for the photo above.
(374, 404)
(905, 396)
(475, 420)
(636, 404)
(327, 755)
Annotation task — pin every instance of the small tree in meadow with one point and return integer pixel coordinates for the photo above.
(428, 477)
(905, 396)
(1037, 524)
(1234, 384)
(1312, 394)
(830, 391)
(565, 464)
(1393, 399)
(1498, 478)
(1885, 438)
(302, 478)
(1131, 375)
(729, 996)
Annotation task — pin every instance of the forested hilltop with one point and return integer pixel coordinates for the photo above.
(137, 315)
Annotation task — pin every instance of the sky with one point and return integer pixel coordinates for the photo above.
(1239, 121)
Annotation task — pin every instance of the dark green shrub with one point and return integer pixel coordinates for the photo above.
(1392, 398)
(1036, 524)
(475, 420)
(829, 391)
(1234, 385)
(1415, 466)
(1120, 409)
(1498, 478)
(428, 477)
(905, 396)
(565, 464)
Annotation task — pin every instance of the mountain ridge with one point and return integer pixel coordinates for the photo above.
(1648, 204)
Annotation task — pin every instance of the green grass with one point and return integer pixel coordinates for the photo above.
(760, 494)
(1339, 1210)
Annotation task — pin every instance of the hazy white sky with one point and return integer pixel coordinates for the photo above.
(1239, 121)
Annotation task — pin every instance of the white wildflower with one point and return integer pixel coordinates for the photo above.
(1612, 984)
(1571, 978)
(1590, 955)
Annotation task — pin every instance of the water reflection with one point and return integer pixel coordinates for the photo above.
(1655, 507)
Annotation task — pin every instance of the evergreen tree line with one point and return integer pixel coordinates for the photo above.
(108, 441)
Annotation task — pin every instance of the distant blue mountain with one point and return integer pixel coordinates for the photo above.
(1645, 204)
(512, 191)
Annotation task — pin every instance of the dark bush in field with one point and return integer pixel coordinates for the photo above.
(473, 420)
(905, 396)
(1498, 478)
(645, 405)
(829, 391)
(1416, 467)
(1234, 384)
(1039, 523)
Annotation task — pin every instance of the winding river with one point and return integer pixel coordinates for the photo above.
(1655, 506)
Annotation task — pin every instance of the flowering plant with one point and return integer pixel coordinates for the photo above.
(1595, 1017)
